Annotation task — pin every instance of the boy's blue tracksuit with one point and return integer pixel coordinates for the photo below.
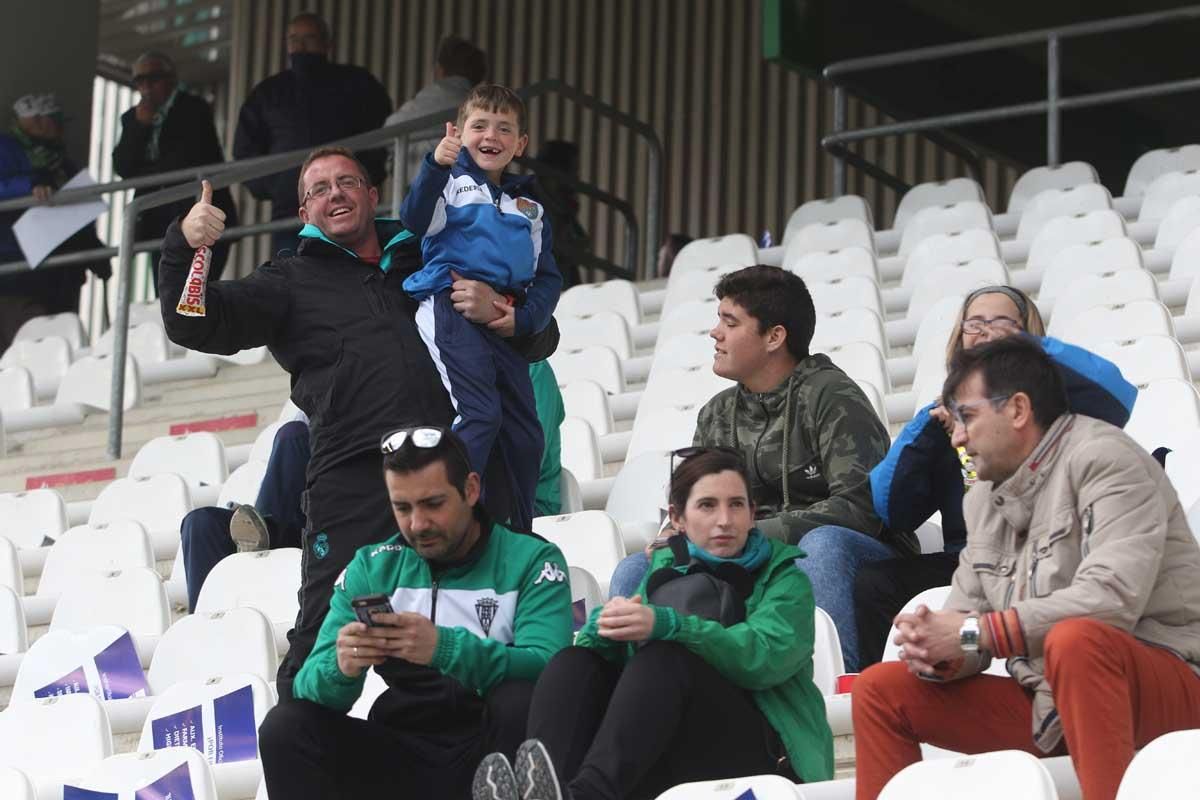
(499, 235)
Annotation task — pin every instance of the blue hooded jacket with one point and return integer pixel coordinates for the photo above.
(922, 472)
(496, 234)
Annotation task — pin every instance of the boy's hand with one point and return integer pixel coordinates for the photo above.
(506, 324)
(447, 150)
(473, 299)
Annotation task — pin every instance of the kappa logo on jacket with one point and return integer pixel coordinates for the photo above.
(551, 572)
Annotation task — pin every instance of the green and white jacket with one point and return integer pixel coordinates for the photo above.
(502, 613)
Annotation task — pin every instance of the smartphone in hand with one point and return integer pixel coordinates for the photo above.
(368, 605)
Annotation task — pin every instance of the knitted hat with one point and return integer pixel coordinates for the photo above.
(36, 105)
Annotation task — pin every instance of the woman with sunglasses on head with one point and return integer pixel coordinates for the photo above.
(923, 474)
(652, 696)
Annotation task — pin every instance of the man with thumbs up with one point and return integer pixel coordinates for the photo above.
(335, 315)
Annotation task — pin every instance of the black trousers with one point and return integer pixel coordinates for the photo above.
(667, 718)
(310, 751)
(881, 589)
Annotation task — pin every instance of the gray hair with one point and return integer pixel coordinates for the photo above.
(156, 55)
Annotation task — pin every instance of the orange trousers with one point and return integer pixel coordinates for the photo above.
(1113, 693)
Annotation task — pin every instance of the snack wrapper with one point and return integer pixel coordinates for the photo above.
(191, 302)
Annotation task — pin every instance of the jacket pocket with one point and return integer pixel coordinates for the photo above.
(996, 571)
(1054, 560)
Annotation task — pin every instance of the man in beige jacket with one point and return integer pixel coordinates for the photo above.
(1080, 570)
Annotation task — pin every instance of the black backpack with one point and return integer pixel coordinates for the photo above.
(716, 592)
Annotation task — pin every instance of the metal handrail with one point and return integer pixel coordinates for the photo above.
(1052, 106)
(226, 173)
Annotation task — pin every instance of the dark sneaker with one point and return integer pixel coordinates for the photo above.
(494, 779)
(248, 530)
(535, 773)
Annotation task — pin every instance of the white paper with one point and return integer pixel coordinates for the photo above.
(43, 228)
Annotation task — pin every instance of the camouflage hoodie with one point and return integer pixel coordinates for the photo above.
(820, 427)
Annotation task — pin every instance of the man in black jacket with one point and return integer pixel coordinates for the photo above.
(312, 102)
(336, 317)
(169, 129)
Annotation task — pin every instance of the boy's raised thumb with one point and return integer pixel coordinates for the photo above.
(450, 130)
(205, 192)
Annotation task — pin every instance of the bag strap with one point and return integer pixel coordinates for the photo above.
(679, 550)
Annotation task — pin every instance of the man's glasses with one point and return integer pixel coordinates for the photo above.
(347, 183)
(425, 438)
(150, 77)
(977, 325)
(956, 409)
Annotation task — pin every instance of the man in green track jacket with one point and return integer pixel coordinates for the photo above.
(476, 612)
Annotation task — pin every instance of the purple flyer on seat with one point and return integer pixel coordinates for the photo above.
(237, 736)
(75, 793)
(579, 613)
(175, 785)
(181, 729)
(747, 795)
(73, 683)
(120, 670)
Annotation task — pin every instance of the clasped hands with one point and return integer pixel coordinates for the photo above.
(406, 635)
(626, 620)
(929, 640)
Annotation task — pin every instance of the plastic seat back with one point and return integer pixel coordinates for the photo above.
(133, 598)
(697, 317)
(1051, 203)
(88, 382)
(851, 325)
(840, 294)
(1108, 289)
(822, 237)
(580, 449)
(158, 502)
(999, 775)
(16, 389)
(168, 773)
(198, 457)
(1120, 321)
(68, 325)
(638, 498)
(602, 327)
(831, 209)
(828, 663)
(824, 266)
(618, 296)
(47, 360)
(32, 518)
(86, 550)
(1039, 179)
(954, 247)
(1153, 163)
(1182, 218)
(935, 193)
(669, 387)
(147, 343)
(664, 428)
(960, 216)
(55, 737)
(14, 635)
(1062, 232)
(588, 400)
(1166, 412)
(267, 580)
(597, 363)
(1146, 358)
(734, 250)
(1165, 190)
(201, 646)
(589, 539)
(1091, 258)
(951, 280)
(194, 710)
(1164, 768)
(862, 361)
(243, 485)
(102, 661)
(585, 595)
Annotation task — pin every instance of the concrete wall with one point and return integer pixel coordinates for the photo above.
(50, 46)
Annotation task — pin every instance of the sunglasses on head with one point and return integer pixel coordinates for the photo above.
(425, 437)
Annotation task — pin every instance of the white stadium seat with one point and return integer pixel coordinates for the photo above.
(823, 266)
(55, 739)
(47, 360)
(684, 350)
(1164, 768)
(67, 325)
(199, 458)
(201, 646)
(999, 775)
(831, 209)
(1122, 321)
(1192, 308)
(88, 383)
(133, 598)
(1038, 179)
(31, 518)
(16, 389)
(570, 497)
(875, 398)
(1165, 412)
(695, 317)
(664, 428)
(1153, 163)
(1183, 468)
(588, 298)
(581, 449)
(85, 550)
(64, 661)
(698, 284)
(935, 193)
(851, 325)
(602, 327)
(1146, 358)
(14, 635)
(172, 771)
(948, 248)
(1052, 203)
(11, 574)
(960, 216)
(264, 442)
(734, 250)
(159, 502)
(828, 663)
(669, 387)
(586, 589)
(754, 787)
(15, 785)
(267, 580)
(1165, 190)
(1185, 261)
(821, 237)
(1108, 289)
(242, 485)
(958, 279)
(840, 294)
(147, 343)
(1091, 258)
(1182, 218)
(589, 539)
(934, 331)
(638, 498)
(1062, 232)
(862, 361)
(596, 363)
(588, 400)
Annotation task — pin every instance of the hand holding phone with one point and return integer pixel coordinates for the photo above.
(367, 606)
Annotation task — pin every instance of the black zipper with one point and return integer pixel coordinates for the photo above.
(433, 603)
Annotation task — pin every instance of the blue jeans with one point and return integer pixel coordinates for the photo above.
(833, 556)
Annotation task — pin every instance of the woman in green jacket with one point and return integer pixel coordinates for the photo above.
(649, 698)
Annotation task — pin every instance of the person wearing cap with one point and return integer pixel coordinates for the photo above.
(923, 473)
(468, 614)
(335, 316)
(34, 161)
(169, 129)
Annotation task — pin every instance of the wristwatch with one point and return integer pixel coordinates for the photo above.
(968, 635)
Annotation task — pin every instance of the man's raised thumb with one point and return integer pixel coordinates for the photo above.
(205, 192)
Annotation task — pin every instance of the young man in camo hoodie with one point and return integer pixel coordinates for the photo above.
(795, 415)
